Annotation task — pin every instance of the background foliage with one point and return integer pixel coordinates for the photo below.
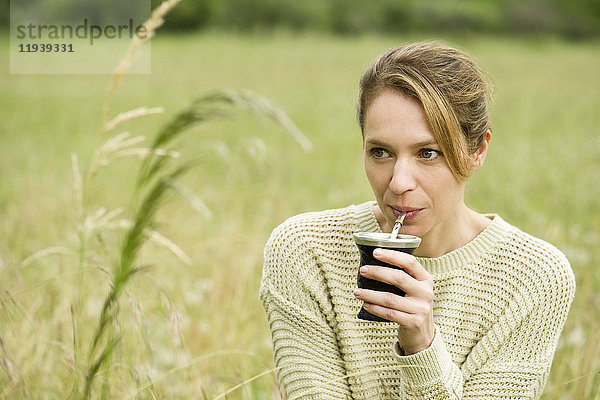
(571, 19)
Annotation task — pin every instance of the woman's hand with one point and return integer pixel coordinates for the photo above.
(414, 311)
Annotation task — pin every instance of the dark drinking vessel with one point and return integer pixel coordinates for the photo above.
(367, 242)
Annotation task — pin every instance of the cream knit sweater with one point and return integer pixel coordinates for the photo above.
(500, 304)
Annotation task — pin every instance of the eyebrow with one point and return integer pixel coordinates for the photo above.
(424, 143)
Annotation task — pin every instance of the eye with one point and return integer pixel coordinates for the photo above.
(378, 153)
(429, 154)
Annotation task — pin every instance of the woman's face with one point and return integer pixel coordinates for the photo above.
(407, 170)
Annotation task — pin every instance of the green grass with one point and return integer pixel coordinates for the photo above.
(199, 330)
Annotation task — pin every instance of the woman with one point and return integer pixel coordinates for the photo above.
(485, 302)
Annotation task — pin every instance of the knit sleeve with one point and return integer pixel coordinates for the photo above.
(431, 374)
(294, 294)
(513, 359)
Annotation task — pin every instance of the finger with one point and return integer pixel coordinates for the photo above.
(392, 276)
(403, 260)
(400, 317)
(387, 300)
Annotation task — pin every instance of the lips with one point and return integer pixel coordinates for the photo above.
(411, 212)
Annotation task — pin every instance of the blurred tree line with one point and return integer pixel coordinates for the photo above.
(572, 19)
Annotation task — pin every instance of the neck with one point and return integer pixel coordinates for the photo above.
(453, 233)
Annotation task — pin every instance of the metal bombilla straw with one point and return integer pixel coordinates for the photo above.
(398, 225)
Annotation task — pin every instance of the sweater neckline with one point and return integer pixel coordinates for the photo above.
(467, 254)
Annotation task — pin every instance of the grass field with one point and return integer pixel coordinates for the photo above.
(198, 330)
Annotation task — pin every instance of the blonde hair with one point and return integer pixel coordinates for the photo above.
(449, 85)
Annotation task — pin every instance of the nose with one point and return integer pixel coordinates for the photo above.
(403, 178)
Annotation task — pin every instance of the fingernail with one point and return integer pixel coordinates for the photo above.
(357, 292)
(366, 305)
(364, 270)
(377, 252)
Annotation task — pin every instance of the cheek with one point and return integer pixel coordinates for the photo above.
(377, 177)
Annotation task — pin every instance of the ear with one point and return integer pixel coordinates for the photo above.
(479, 155)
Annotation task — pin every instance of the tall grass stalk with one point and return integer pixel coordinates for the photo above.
(157, 176)
(150, 26)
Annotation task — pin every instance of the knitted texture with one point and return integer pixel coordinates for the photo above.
(500, 304)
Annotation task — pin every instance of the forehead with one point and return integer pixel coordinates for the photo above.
(395, 117)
